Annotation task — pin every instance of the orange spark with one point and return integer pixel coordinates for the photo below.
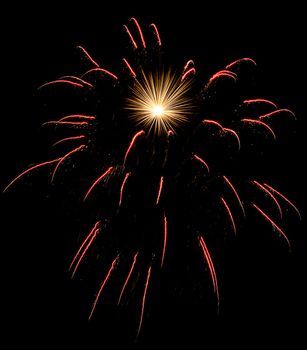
(211, 267)
(30, 169)
(284, 198)
(273, 224)
(143, 300)
(97, 181)
(69, 139)
(139, 30)
(258, 122)
(230, 214)
(122, 189)
(138, 134)
(131, 37)
(202, 161)
(128, 277)
(102, 285)
(235, 192)
(77, 149)
(156, 33)
(88, 56)
(160, 190)
(164, 239)
(270, 195)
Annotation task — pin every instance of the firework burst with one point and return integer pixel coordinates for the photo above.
(153, 148)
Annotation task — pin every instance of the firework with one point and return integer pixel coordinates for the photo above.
(150, 161)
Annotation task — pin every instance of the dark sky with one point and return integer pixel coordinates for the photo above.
(264, 298)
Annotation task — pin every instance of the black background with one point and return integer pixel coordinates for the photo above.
(264, 297)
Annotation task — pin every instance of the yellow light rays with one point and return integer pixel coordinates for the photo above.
(159, 102)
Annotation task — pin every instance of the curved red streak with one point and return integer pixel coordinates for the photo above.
(122, 188)
(221, 74)
(260, 100)
(139, 30)
(69, 139)
(128, 277)
(100, 70)
(208, 121)
(160, 190)
(240, 60)
(30, 169)
(88, 55)
(78, 79)
(129, 67)
(61, 81)
(131, 37)
(235, 134)
(138, 134)
(143, 300)
(235, 192)
(64, 157)
(202, 161)
(164, 239)
(97, 181)
(190, 62)
(284, 198)
(83, 244)
(92, 237)
(230, 214)
(253, 121)
(276, 112)
(77, 116)
(270, 195)
(272, 223)
(157, 33)
(58, 122)
(102, 286)
(188, 72)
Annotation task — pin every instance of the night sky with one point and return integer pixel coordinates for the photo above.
(263, 299)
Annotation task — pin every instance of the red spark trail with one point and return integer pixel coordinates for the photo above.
(223, 73)
(91, 240)
(189, 63)
(88, 55)
(69, 139)
(77, 116)
(273, 224)
(100, 70)
(253, 121)
(84, 242)
(188, 72)
(156, 33)
(235, 134)
(139, 30)
(128, 277)
(211, 267)
(102, 286)
(259, 100)
(230, 214)
(131, 37)
(61, 81)
(143, 300)
(164, 239)
(202, 161)
(78, 79)
(270, 195)
(77, 149)
(138, 134)
(235, 192)
(129, 67)
(30, 169)
(245, 59)
(122, 188)
(160, 190)
(57, 122)
(213, 122)
(97, 181)
(268, 115)
(284, 198)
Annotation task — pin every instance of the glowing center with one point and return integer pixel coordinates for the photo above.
(157, 111)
